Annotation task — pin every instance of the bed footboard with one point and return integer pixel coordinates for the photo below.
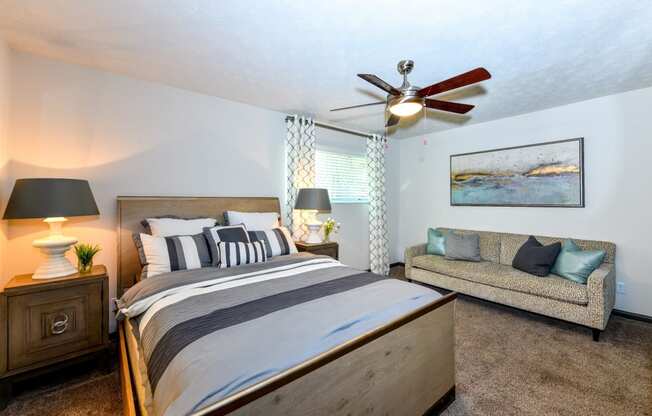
(405, 368)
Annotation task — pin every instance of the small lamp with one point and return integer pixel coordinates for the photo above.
(317, 201)
(52, 199)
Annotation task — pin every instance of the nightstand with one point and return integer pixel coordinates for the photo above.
(47, 324)
(327, 248)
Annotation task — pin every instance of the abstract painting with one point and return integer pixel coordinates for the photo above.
(538, 175)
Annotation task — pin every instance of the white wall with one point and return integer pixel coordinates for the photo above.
(618, 153)
(4, 155)
(353, 236)
(130, 137)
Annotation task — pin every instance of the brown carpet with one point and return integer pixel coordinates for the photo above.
(509, 362)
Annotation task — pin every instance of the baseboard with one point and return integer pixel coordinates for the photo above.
(632, 315)
(398, 263)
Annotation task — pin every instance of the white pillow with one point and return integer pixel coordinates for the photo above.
(253, 220)
(166, 227)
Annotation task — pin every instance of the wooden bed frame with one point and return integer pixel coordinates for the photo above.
(405, 367)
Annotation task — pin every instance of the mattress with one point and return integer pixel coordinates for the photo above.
(196, 337)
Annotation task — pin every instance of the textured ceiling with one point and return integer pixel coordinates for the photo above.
(302, 56)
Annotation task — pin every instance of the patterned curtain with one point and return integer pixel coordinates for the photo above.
(378, 241)
(300, 155)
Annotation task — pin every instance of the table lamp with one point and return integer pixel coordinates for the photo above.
(52, 199)
(315, 200)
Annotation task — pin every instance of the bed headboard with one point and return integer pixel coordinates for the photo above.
(133, 209)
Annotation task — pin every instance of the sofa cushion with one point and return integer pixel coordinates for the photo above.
(462, 247)
(489, 243)
(510, 243)
(505, 277)
(436, 242)
(535, 258)
(576, 264)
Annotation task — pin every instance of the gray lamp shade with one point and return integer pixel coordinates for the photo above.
(49, 197)
(313, 198)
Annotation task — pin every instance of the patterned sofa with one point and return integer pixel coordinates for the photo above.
(496, 280)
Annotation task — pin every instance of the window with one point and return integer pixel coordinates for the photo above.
(344, 175)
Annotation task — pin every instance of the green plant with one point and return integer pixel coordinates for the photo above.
(85, 254)
(330, 226)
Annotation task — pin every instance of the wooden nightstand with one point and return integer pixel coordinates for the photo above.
(327, 249)
(45, 324)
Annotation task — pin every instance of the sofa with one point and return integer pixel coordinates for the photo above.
(495, 279)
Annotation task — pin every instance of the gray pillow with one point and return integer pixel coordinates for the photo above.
(463, 247)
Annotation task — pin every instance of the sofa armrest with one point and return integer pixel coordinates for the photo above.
(601, 287)
(410, 253)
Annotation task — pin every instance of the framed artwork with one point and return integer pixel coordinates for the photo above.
(537, 175)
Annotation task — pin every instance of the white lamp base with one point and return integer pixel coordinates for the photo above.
(56, 264)
(313, 236)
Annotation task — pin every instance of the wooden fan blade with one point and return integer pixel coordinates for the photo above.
(448, 106)
(462, 80)
(371, 78)
(392, 120)
(358, 106)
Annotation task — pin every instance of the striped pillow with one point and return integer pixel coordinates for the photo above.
(227, 233)
(277, 241)
(237, 253)
(167, 254)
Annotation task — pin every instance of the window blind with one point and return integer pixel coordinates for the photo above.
(344, 175)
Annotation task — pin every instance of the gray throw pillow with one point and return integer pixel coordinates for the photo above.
(463, 247)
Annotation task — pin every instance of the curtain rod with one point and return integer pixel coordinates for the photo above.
(338, 128)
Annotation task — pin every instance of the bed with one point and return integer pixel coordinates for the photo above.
(333, 341)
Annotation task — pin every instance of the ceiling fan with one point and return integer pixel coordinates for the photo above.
(408, 99)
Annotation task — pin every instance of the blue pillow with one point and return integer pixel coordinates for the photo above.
(436, 242)
(576, 264)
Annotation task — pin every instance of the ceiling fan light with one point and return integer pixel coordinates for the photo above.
(406, 108)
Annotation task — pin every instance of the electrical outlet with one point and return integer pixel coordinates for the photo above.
(620, 287)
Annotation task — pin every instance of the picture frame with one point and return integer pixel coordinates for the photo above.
(546, 174)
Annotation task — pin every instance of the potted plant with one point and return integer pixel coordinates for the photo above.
(330, 226)
(85, 254)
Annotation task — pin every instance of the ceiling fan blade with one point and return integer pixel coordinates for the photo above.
(371, 78)
(462, 80)
(392, 120)
(358, 106)
(448, 106)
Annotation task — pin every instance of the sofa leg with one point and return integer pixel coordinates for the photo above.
(596, 334)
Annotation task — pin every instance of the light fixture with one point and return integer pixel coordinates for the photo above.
(52, 199)
(406, 106)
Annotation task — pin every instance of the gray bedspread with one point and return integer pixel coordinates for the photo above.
(208, 333)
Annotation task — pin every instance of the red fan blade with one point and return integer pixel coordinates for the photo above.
(380, 83)
(358, 106)
(462, 80)
(448, 106)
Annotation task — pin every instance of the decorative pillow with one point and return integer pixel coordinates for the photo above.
(462, 247)
(167, 254)
(252, 220)
(277, 241)
(226, 233)
(237, 253)
(170, 226)
(576, 264)
(436, 242)
(535, 258)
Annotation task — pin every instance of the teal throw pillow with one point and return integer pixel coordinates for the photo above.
(576, 264)
(436, 242)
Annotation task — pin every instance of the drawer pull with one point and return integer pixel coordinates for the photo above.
(59, 326)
